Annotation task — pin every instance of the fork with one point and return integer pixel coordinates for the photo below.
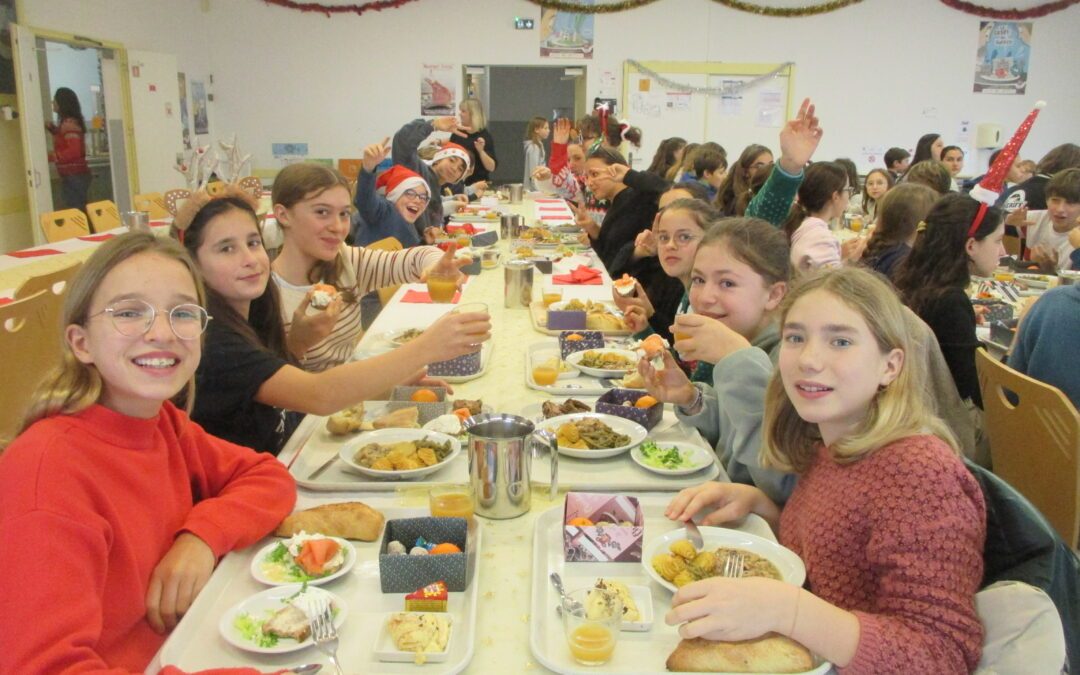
(324, 633)
(734, 565)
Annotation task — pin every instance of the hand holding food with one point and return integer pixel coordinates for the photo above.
(635, 319)
(727, 501)
(853, 249)
(701, 338)
(721, 608)
(177, 579)
(669, 385)
(310, 328)
(637, 298)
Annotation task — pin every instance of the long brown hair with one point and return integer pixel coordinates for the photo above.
(306, 180)
(737, 180)
(264, 328)
(73, 386)
(822, 180)
(899, 213)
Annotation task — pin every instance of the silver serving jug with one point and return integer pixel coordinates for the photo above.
(517, 192)
(509, 224)
(136, 221)
(500, 448)
(519, 283)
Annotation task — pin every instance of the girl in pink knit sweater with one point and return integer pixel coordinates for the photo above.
(886, 517)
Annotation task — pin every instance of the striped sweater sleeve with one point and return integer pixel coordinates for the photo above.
(378, 269)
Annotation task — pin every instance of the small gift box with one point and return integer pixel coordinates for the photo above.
(461, 366)
(401, 397)
(485, 239)
(404, 573)
(473, 268)
(996, 310)
(622, 402)
(602, 528)
(571, 341)
(564, 319)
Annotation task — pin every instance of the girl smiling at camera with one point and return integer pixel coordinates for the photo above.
(886, 517)
(139, 503)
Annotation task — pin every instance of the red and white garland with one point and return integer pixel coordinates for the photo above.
(328, 10)
(1010, 14)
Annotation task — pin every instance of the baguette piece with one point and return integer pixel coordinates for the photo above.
(348, 520)
(770, 653)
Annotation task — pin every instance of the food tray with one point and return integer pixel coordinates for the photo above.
(644, 652)
(197, 645)
(579, 385)
(538, 314)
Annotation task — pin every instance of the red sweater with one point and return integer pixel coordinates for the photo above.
(897, 538)
(89, 504)
(69, 148)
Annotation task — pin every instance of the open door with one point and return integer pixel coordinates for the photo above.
(32, 127)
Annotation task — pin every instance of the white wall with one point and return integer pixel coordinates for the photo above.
(882, 72)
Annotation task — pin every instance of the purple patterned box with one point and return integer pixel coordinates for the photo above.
(461, 366)
(615, 536)
(566, 319)
(590, 339)
(613, 402)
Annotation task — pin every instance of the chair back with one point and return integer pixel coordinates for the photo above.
(103, 215)
(215, 188)
(173, 199)
(387, 244)
(1034, 442)
(56, 284)
(151, 202)
(1013, 245)
(66, 224)
(29, 330)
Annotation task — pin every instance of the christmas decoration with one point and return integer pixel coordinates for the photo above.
(197, 167)
(989, 188)
(233, 166)
(374, 5)
(1010, 14)
(762, 10)
(732, 89)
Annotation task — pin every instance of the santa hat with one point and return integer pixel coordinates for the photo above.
(396, 180)
(992, 184)
(452, 150)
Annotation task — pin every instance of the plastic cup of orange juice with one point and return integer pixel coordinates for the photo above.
(551, 295)
(451, 501)
(545, 374)
(591, 639)
(463, 241)
(442, 286)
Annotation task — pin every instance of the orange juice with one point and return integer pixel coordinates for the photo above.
(856, 223)
(1003, 276)
(463, 241)
(551, 297)
(441, 289)
(545, 375)
(451, 505)
(591, 644)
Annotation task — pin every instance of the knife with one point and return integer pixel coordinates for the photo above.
(323, 467)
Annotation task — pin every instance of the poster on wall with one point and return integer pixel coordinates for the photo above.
(1001, 62)
(566, 35)
(438, 91)
(7, 62)
(198, 107)
(181, 81)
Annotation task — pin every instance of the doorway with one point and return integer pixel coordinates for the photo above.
(512, 95)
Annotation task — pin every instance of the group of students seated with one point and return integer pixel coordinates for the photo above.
(148, 454)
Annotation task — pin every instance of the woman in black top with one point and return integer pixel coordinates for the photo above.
(962, 237)
(478, 142)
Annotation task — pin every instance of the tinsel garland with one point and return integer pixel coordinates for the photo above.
(1010, 14)
(374, 5)
(731, 90)
(604, 8)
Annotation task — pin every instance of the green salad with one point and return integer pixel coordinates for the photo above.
(251, 629)
(665, 458)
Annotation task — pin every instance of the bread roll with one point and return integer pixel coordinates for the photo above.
(770, 653)
(348, 520)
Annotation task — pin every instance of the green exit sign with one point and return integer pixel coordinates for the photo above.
(523, 24)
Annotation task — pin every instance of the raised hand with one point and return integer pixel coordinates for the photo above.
(479, 144)
(584, 221)
(375, 153)
(448, 265)
(645, 244)
(561, 132)
(799, 139)
(448, 124)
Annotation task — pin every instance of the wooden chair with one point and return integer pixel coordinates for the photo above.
(1013, 245)
(1034, 443)
(215, 188)
(66, 224)
(55, 283)
(29, 332)
(388, 244)
(103, 215)
(350, 168)
(151, 202)
(173, 199)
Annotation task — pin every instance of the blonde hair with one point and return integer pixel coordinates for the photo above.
(897, 411)
(307, 180)
(73, 386)
(477, 118)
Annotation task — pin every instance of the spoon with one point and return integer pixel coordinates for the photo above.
(567, 603)
(694, 535)
(307, 669)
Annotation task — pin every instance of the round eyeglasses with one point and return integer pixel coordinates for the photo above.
(135, 317)
(680, 239)
(413, 194)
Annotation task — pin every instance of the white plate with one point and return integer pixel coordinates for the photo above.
(700, 458)
(394, 436)
(386, 650)
(790, 565)
(575, 360)
(260, 575)
(621, 425)
(266, 603)
(394, 336)
(1034, 280)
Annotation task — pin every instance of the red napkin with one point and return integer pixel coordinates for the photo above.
(34, 253)
(467, 228)
(424, 296)
(561, 209)
(561, 218)
(582, 275)
(98, 237)
(549, 201)
(4, 301)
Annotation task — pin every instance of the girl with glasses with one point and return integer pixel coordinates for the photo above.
(390, 205)
(250, 377)
(117, 505)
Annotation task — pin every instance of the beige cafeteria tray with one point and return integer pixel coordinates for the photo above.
(197, 644)
(538, 315)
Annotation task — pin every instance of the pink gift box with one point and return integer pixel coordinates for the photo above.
(615, 536)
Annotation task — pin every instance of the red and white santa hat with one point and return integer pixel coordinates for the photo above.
(992, 184)
(452, 150)
(396, 180)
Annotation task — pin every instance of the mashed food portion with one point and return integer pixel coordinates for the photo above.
(420, 633)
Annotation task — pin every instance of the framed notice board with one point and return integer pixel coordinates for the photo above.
(659, 98)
